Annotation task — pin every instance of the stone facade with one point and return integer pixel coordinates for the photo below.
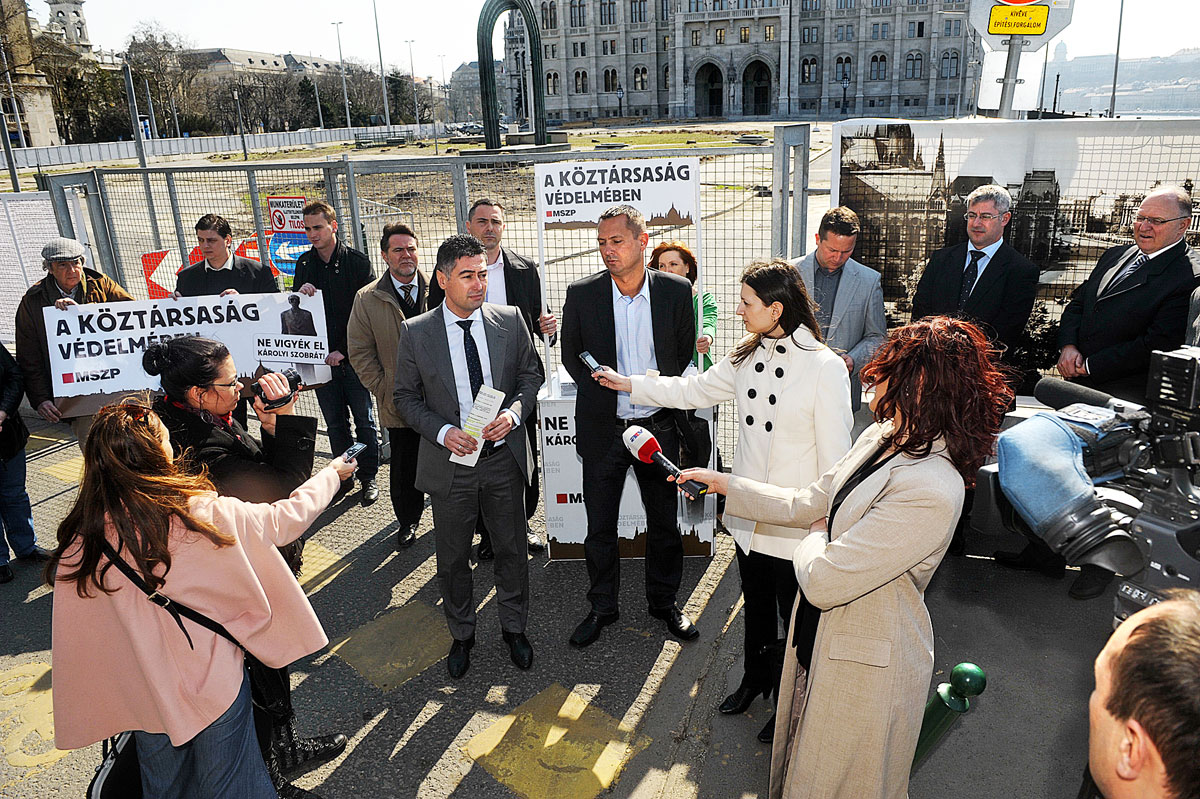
(687, 59)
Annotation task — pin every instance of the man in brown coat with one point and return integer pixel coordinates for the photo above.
(374, 328)
(67, 283)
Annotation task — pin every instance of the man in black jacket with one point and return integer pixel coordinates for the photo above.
(339, 272)
(14, 499)
(512, 280)
(614, 315)
(985, 280)
(221, 272)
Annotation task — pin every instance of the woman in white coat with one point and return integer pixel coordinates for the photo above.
(793, 403)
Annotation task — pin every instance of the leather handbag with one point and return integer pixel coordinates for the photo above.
(119, 776)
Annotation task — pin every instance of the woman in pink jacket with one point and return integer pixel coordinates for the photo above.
(124, 663)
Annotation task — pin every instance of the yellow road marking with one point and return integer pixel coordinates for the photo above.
(321, 566)
(69, 471)
(26, 718)
(392, 649)
(555, 745)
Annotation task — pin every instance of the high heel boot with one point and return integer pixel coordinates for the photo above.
(739, 700)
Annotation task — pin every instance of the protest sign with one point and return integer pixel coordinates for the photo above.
(96, 350)
(574, 194)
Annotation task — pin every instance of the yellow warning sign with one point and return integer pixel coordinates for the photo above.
(1021, 20)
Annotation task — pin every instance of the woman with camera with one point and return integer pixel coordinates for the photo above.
(860, 653)
(124, 663)
(201, 389)
(793, 405)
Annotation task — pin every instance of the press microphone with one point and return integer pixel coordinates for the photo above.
(1060, 393)
(642, 444)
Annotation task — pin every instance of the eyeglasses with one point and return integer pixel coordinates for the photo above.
(971, 216)
(1154, 221)
(234, 384)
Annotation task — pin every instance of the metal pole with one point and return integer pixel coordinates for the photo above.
(1042, 91)
(260, 235)
(13, 94)
(8, 154)
(175, 116)
(345, 93)
(180, 236)
(387, 112)
(237, 98)
(357, 235)
(1055, 108)
(412, 70)
(527, 67)
(133, 117)
(445, 91)
(1112, 100)
(150, 109)
(433, 120)
(1009, 89)
(317, 92)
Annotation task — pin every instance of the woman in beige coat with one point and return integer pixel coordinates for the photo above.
(860, 656)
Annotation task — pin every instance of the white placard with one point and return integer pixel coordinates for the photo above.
(487, 406)
(97, 349)
(575, 193)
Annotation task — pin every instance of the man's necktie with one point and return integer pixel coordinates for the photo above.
(474, 367)
(1126, 271)
(970, 275)
(409, 304)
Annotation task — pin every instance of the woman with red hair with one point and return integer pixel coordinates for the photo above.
(860, 653)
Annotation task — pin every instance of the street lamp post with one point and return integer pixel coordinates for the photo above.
(445, 90)
(345, 93)
(317, 92)
(412, 74)
(237, 98)
(845, 86)
(387, 113)
(620, 101)
(432, 115)
(1112, 100)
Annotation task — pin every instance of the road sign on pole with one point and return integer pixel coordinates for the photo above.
(288, 241)
(1032, 22)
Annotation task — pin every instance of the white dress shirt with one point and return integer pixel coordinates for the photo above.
(458, 362)
(400, 289)
(635, 343)
(497, 292)
(227, 265)
(988, 252)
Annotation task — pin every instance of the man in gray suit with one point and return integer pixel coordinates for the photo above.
(848, 295)
(444, 357)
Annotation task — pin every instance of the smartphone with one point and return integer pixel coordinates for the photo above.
(354, 451)
(589, 361)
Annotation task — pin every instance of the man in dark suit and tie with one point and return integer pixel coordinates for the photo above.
(372, 336)
(444, 358)
(1134, 302)
(636, 320)
(983, 280)
(512, 280)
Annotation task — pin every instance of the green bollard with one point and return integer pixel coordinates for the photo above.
(951, 701)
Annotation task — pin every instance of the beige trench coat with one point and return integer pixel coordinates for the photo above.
(371, 342)
(853, 734)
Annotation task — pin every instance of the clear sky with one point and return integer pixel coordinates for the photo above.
(447, 27)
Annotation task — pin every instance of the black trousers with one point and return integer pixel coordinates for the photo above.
(603, 480)
(407, 501)
(533, 489)
(769, 587)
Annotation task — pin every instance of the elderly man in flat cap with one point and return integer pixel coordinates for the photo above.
(67, 283)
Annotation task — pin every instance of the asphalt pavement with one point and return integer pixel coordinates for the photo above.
(631, 716)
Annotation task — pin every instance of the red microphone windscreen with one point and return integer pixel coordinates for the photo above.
(641, 443)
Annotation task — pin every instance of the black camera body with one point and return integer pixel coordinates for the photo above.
(293, 378)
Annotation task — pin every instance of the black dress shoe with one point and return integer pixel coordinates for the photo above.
(1091, 582)
(519, 649)
(296, 754)
(6, 574)
(589, 629)
(459, 659)
(739, 700)
(35, 555)
(535, 542)
(767, 733)
(1030, 559)
(485, 551)
(958, 545)
(370, 493)
(406, 536)
(679, 625)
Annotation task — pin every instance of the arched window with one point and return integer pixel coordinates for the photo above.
(608, 12)
(637, 10)
(578, 13)
(610, 80)
(553, 14)
(545, 17)
(551, 83)
(581, 81)
(843, 68)
(666, 77)
(639, 79)
(879, 67)
(950, 64)
(913, 65)
(808, 70)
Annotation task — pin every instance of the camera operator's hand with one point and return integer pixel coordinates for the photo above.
(1071, 362)
(275, 386)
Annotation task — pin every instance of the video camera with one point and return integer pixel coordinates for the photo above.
(1108, 482)
(294, 382)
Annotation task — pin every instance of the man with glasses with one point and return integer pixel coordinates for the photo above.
(983, 280)
(1135, 301)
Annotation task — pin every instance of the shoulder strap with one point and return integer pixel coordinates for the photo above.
(174, 608)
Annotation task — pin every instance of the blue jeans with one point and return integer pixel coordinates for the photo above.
(1041, 469)
(14, 508)
(342, 395)
(222, 762)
